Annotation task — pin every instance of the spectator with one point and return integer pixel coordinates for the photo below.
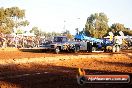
(4, 43)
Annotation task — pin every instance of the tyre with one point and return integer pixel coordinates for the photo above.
(57, 50)
(76, 49)
(113, 49)
(117, 48)
(105, 49)
(94, 48)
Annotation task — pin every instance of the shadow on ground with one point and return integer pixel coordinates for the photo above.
(49, 76)
(116, 63)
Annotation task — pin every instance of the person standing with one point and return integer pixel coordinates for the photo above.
(4, 43)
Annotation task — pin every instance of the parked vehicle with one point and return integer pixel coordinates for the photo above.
(61, 43)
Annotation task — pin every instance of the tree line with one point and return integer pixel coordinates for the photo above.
(38, 32)
(97, 26)
(11, 19)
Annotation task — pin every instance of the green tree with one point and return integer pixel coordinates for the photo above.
(120, 27)
(2, 15)
(11, 18)
(127, 32)
(97, 25)
(77, 30)
(55, 34)
(23, 23)
(68, 34)
(117, 27)
(19, 31)
(6, 24)
(36, 31)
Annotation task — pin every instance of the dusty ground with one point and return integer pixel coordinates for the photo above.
(48, 70)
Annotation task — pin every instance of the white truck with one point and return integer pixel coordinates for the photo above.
(61, 43)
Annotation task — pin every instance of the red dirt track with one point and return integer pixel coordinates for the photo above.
(48, 70)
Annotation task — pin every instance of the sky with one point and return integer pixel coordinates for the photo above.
(61, 15)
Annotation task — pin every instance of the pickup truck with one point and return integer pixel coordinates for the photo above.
(61, 43)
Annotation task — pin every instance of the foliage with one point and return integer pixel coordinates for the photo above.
(36, 31)
(117, 27)
(11, 18)
(97, 25)
(49, 35)
(127, 32)
(120, 27)
(68, 34)
(77, 30)
(19, 31)
(22, 23)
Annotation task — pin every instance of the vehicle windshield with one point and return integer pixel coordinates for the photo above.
(60, 39)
